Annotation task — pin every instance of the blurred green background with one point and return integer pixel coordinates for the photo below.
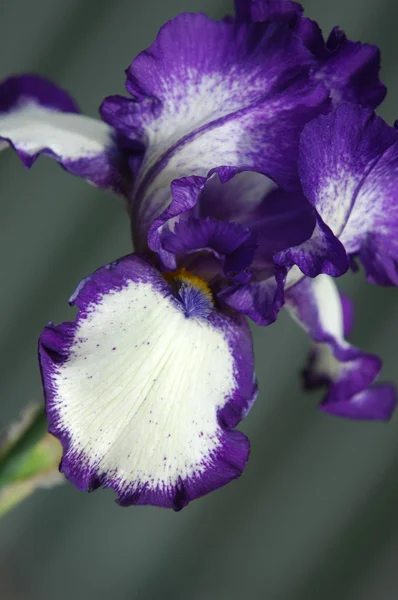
(314, 516)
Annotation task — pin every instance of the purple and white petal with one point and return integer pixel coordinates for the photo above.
(349, 171)
(143, 390)
(223, 195)
(288, 230)
(347, 372)
(37, 117)
(213, 94)
(289, 233)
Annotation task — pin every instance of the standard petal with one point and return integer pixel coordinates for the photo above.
(350, 70)
(208, 94)
(347, 372)
(267, 10)
(290, 13)
(37, 117)
(349, 171)
(142, 397)
(242, 9)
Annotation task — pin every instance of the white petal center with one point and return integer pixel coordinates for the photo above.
(140, 393)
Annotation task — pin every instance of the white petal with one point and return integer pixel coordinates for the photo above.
(33, 128)
(140, 393)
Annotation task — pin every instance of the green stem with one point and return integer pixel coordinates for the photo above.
(29, 459)
(14, 494)
(13, 457)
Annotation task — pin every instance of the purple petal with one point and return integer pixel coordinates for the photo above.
(33, 88)
(311, 35)
(290, 13)
(347, 372)
(234, 244)
(321, 253)
(351, 71)
(277, 10)
(268, 10)
(349, 171)
(260, 300)
(213, 94)
(282, 220)
(374, 404)
(243, 10)
(237, 199)
(284, 223)
(144, 396)
(37, 117)
(185, 193)
(279, 219)
(288, 230)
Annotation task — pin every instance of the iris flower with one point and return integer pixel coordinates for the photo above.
(254, 172)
